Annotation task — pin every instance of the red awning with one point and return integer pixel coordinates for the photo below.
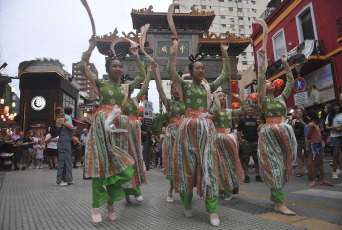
(80, 123)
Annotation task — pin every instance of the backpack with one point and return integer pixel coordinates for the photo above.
(54, 130)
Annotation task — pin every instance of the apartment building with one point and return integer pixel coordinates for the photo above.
(235, 16)
(83, 81)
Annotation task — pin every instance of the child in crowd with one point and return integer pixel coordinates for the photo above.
(315, 147)
(39, 154)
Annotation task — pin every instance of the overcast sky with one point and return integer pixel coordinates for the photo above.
(60, 29)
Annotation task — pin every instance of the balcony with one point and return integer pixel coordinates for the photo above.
(339, 28)
(299, 54)
(267, 13)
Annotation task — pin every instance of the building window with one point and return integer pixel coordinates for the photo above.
(221, 0)
(224, 35)
(223, 17)
(242, 35)
(239, 9)
(279, 45)
(204, 7)
(240, 18)
(244, 63)
(253, 2)
(243, 53)
(222, 8)
(249, 18)
(223, 26)
(232, 18)
(231, 9)
(306, 25)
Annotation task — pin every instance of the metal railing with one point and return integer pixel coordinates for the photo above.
(267, 13)
(276, 67)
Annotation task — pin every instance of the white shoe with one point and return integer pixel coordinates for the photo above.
(96, 215)
(41, 167)
(168, 198)
(62, 184)
(188, 213)
(334, 175)
(228, 198)
(338, 171)
(139, 198)
(128, 199)
(215, 222)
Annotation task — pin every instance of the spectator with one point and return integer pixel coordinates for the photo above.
(298, 123)
(159, 153)
(20, 151)
(248, 137)
(76, 148)
(38, 136)
(314, 145)
(51, 149)
(334, 125)
(147, 143)
(65, 130)
(39, 154)
(68, 112)
(83, 139)
(30, 154)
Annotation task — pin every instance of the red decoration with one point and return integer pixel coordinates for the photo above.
(235, 105)
(278, 83)
(234, 89)
(141, 109)
(143, 98)
(254, 96)
(139, 118)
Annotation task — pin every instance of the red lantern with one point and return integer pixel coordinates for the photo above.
(235, 105)
(139, 118)
(278, 83)
(254, 96)
(141, 109)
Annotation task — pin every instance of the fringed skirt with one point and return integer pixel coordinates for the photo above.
(103, 156)
(277, 148)
(132, 144)
(170, 135)
(195, 159)
(230, 169)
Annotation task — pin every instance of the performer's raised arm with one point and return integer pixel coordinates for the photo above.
(289, 78)
(144, 87)
(141, 68)
(261, 79)
(83, 65)
(225, 71)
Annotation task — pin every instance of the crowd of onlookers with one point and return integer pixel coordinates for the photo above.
(317, 132)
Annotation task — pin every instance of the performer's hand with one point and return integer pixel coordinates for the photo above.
(224, 49)
(174, 39)
(134, 50)
(150, 69)
(236, 96)
(261, 54)
(283, 58)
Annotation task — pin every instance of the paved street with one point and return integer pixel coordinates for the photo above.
(29, 200)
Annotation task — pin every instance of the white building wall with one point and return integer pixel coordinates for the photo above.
(235, 16)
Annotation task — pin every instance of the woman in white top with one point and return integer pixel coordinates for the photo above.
(51, 149)
(334, 125)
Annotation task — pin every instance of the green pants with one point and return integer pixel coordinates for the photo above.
(278, 195)
(171, 179)
(113, 191)
(210, 204)
(226, 192)
(133, 191)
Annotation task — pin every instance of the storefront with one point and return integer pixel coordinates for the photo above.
(44, 86)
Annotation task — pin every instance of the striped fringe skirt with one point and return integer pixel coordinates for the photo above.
(195, 159)
(230, 169)
(277, 148)
(132, 144)
(103, 156)
(170, 135)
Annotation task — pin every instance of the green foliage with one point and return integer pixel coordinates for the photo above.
(160, 120)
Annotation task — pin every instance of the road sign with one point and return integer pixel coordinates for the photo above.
(148, 112)
(301, 98)
(299, 84)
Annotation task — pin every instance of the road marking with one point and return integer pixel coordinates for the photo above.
(294, 202)
(301, 221)
(320, 193)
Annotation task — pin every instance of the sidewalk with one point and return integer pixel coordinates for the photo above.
(29, 200)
